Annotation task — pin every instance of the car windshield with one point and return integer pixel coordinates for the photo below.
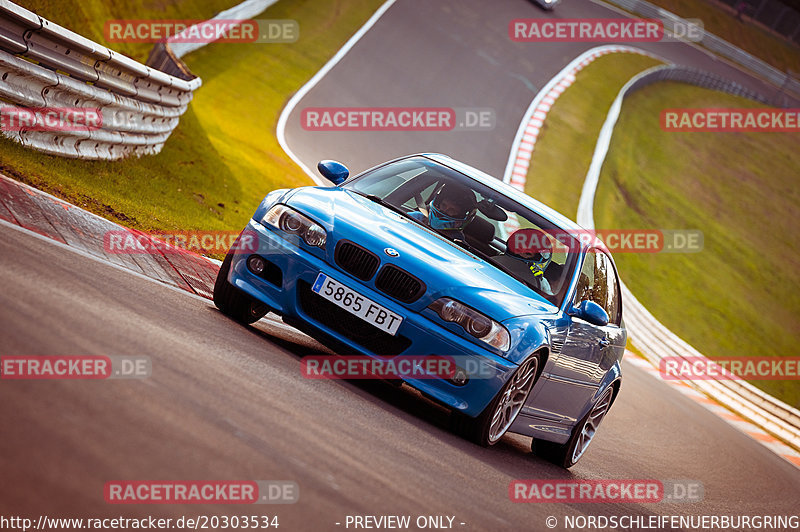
(490, 225)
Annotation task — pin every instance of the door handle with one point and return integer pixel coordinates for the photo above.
(604, 342)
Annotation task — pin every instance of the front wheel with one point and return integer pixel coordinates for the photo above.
(497, 418)
(567, 454)
(233, 302)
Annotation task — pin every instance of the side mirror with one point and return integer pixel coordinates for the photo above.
(334, 171)
(591, 312)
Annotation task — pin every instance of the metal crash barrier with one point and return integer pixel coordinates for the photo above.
(43, 65)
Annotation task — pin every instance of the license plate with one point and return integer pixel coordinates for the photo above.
(356, 304)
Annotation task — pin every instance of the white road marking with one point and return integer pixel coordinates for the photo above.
(299, 95)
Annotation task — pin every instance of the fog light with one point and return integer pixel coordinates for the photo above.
(256, 264)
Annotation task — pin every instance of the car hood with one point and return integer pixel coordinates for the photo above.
(446, 269)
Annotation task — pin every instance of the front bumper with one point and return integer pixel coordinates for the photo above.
(288, 293)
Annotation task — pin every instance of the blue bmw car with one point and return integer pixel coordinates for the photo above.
(425, 256)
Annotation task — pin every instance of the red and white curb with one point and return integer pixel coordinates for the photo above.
(516, 171)
(516, 175)
(755, 432)
(53, 218)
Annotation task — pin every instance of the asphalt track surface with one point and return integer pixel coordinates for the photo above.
(457, 54)
(229, 402)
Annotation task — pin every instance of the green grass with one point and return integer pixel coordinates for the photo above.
(88, 17)
(740, 296)
(223, 157)
(747, 35)
(565, 144)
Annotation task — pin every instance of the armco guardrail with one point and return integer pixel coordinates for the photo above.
(246, 10)
(696, 77)
(45, 65)
(651, 336)
(167, 56)
(719, 46)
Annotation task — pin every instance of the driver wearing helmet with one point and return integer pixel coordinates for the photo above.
(452, 208)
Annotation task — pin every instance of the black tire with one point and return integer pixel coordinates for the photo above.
(233, 302)
(479, 429)
(558, 454)
(563, 454)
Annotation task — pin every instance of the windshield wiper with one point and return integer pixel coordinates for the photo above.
(475, 251)
(384, 203)
(486, 258)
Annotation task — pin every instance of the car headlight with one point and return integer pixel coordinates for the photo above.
(290, 221)
(476, 324)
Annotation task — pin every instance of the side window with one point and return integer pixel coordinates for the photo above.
(606, 293)
(586, 279)
(598, 283)
(615, 299)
